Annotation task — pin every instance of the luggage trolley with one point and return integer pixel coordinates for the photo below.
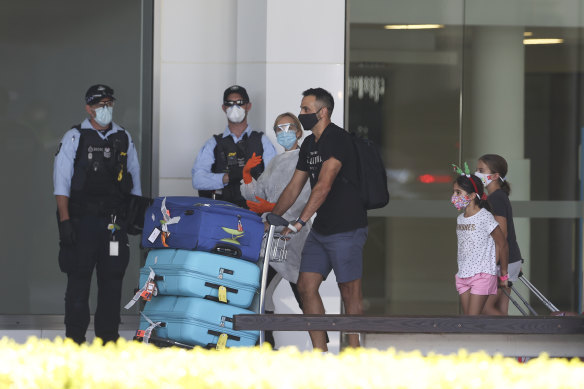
(274, 221)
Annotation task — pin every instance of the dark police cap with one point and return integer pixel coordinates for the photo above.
(236, 89)
(97, 92)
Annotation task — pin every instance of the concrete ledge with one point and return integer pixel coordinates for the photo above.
(414, 324)
(564, 346)
(511, 336)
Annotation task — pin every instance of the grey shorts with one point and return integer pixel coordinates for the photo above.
(342, 252)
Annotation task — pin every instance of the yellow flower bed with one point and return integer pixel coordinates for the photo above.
(63, 364)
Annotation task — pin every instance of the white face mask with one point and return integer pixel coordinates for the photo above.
(485, 178)
(235, 114)
(103, 116)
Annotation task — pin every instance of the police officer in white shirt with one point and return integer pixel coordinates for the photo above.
(95, 171)
(219, 166)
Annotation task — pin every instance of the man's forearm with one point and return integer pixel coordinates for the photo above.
(62, 207)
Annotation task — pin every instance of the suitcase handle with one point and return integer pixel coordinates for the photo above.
(217, 286)
(164, 342)
(217, 333)
(227, 250)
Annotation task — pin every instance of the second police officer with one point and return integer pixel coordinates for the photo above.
(218, 168)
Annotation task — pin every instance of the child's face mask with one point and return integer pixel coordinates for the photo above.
(460, 202)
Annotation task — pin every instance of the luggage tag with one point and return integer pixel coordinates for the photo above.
(222, 294)
(221, 342)
(146, 292)
(114, 245)
(167, 220)
(154, 235)
(148, 331)
(149, 291)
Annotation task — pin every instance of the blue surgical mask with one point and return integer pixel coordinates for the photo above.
(286, 139)
(103, 115)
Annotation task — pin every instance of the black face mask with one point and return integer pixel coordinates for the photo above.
(308, 120)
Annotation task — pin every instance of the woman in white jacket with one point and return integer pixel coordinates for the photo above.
(263, 193)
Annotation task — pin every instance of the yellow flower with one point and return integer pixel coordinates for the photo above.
(62, 363)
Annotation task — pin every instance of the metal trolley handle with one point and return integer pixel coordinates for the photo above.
(274, 221)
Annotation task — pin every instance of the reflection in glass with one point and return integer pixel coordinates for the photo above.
(492, 78)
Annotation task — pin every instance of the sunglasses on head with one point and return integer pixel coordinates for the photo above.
(230, 103)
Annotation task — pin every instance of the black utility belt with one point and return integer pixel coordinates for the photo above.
(91, 210)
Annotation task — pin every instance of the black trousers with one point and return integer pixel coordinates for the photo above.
(92, 251)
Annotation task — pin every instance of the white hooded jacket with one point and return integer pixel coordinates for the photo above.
(270, 186)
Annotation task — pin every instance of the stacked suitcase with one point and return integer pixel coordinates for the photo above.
(201, 270)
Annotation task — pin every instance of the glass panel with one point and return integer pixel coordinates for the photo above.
(51, 53)
(521, 100)
(404, 92)
(469, 85)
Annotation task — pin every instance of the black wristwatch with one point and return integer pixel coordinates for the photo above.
(302, 222)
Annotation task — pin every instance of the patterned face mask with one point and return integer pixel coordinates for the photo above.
(460, 202)
(486, 178)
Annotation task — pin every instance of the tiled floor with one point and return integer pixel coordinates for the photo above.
(21, 327)
(21, 336)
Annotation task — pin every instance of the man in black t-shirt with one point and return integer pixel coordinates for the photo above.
(327, 157)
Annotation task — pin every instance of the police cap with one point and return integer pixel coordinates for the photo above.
(97, 92)
(236, 89)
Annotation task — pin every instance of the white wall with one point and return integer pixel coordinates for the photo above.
(275, 49)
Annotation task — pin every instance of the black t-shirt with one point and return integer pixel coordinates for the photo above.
(343, 208)
(502, 207)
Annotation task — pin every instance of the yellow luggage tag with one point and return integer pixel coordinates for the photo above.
(222, 294)
(221, 342)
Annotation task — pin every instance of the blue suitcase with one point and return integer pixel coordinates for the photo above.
(194, 321)
(197, 223)
(201, 274)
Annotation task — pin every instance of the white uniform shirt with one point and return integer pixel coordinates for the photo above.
(204, 178)
(65, 159)
(476, 247)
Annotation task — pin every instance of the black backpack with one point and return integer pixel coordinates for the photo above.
(372, 173)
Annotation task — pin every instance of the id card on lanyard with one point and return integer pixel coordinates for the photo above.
(114, 245)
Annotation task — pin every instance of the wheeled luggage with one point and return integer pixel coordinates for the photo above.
(202, 274)
(194, 321)
(534, 290)
(197, 223)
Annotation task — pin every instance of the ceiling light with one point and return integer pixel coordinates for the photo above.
(528, 33)
(412, 26)
(543, 41)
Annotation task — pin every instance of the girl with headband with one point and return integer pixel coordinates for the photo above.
(492, 170)
(481, 244)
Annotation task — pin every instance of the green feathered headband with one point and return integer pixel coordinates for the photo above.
(459, 170)
(466, 173)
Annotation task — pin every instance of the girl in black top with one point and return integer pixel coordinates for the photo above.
(492, 170)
